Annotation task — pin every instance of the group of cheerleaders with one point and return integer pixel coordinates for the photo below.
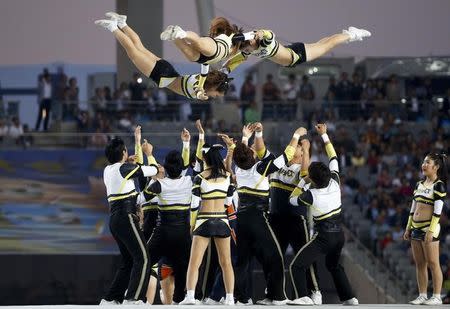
(228, 45)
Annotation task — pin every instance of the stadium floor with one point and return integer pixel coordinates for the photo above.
(361, 306)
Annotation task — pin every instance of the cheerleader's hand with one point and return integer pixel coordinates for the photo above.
(428, 236)
(259, 34)
(132, 159)
(201, 95)
(407, 235)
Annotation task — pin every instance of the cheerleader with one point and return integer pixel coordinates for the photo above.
(223, 41)
(423, 227)
(159, 70)
(209, 193)
(133, 274)
(265, 46)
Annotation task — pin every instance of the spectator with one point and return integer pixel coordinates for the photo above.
(15, 131)
(99, 139)
(270, 90)
(331, 86)
(251, 113)
(306, 90)
(45, 100)
(362, 198)
(358, 159)
(384, 180)
(3, 130)
(98, 100)
(291, 89)
(381, 88)
(71, 100)
(107, 92)
(371, 90)
(344, 88)
(356, 88)
(136, 88)
(126, 122)
(248, 90)
(393, 89)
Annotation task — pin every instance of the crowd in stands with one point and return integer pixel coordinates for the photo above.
(378, 140)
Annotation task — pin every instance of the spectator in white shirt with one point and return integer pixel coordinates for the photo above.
(15, 131)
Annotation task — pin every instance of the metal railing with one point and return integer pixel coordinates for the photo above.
(391, 286)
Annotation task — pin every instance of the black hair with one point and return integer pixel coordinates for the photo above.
(173, 164)
(440, 159)
(243, 156)
(114, 150)
(319, 174)
(216, 80)
(214, 160)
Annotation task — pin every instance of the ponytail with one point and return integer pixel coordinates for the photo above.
(214, 160)
(440, 159)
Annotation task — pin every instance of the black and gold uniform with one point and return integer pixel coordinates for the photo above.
(211, 224)
(268, 47)
(164, 74)
(254, 236)
(434, 197)
(150, 212)
(289, 223)
(133, 274)
(328, 239)
(171, 238)
(223, 48)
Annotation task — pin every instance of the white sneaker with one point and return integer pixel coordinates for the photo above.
(210, 302)
(433, 301)
(280, 302)
(248, 303)
(265, 302)
(418, 301)
(133, 302)
(188, 301)
(351, 302)
(227, 302)
(316, 297)
(105, 302)
(356, 34)
(302, 301)
(172, 32)
(110, 25)
(121, 19)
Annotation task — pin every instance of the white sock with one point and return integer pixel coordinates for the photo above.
(113, 27)
(122, 24)
(438, 296)
(190, 294)
(350, 34)
(229, 297)
(423, 295)
(181, 34)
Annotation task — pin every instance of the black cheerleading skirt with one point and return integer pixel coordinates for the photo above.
(212, 225)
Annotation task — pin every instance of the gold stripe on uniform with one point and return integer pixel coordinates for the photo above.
(282, 185)
(149, 207)
(121, 197)
(328, 215)
(424, 200)
(254, 192)
(173, 207)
